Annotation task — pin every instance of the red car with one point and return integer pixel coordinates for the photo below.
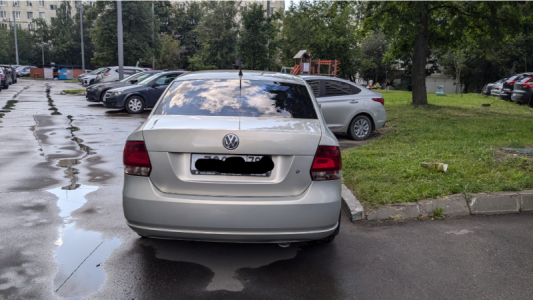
(523, 90)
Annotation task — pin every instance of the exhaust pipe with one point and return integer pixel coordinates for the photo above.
(284, 245)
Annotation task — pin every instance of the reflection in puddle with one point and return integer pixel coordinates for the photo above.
(51, 102)
(79, 252)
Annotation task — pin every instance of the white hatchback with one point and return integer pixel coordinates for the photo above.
(111, 74)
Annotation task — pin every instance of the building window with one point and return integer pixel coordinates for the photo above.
(15, 2)
(90, 3)
(28, 3)
(272, 10)
(41, 3)
(19, 26)
(2, 3)
(17, 14)
(244, 8)
(181, 5)
(3, 25)
(30, 15)
(41, 15)
(3, 14)
(77, 4)
(31, 26)
(53, 7)
(52, 19)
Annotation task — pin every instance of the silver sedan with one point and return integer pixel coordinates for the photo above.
(224, 157)
(347, 107)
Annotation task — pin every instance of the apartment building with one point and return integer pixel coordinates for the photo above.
(275, 5)
(25, 11)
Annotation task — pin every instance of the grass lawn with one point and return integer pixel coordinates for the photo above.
(74, 91)
(453, 130)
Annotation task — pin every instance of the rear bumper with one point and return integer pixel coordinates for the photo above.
(312, 215)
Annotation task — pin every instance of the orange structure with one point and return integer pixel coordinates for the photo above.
(307, 66)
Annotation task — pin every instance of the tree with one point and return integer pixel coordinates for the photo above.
(217, 35)
(327, 29)
(373, 63)
(258, 31)
(182, 27)
(170, 54)
(137, 33)
(66, 50)
(415, 27)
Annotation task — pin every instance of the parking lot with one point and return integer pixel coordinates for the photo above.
(63, 232)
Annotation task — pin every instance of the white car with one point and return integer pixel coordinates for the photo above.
(347, 107)
(111, 74)
(88, 78)
(497, 87)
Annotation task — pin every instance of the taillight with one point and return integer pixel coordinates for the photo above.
(327, 163)
(3, 76)
(136, 160)
(107, 74)
(495, 88)
(526, 85)
(380, 100)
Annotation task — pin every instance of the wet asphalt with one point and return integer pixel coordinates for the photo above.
(63, 234)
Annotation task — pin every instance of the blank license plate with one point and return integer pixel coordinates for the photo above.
(247, 158)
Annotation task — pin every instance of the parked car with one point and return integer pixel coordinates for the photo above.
(347, 107)
(230, 158)
(88, 78)
(487, 88)
(96, 92)
(6, 77)
(508, 85)
(24, 71)
(2, 79)
(136, 98)
(523, 91)
(497, 87)
(111, 74)
(10, 71)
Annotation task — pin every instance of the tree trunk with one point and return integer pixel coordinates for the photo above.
(418, 75)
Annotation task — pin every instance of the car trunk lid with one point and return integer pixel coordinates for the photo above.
(171, 140)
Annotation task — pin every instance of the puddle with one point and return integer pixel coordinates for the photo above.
(53, 108)
(11, 103)
(80, 253)
(224, 259)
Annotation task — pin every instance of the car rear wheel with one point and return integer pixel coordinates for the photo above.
(360, 128)
(6, 85)
(134, 105)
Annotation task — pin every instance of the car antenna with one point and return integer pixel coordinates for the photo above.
(240, 73)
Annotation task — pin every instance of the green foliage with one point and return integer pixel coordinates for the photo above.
(182, 26)
(170, 54)
(217, 36)
(373, 66)
(415, 27)
(437, 214)
(452, 130)
(138, 40)
(327, 29)
(257, 32)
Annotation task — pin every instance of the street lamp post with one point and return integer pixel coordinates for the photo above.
(81, 31)
(153, 39)
(120, 45)
(16, 43)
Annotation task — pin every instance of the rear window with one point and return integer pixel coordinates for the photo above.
(232, 97)
(525, 80)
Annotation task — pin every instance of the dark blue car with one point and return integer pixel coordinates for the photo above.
(135, 98)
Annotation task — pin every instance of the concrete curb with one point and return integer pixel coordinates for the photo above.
(351, 206)
(452, 205)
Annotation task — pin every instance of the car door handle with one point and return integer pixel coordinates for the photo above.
(354, 101)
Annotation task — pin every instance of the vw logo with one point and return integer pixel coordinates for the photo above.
(230, 141)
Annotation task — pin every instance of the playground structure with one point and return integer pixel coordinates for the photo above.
(305, 65)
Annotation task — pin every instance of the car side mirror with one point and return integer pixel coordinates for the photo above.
(134, 81)
(155, 85)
